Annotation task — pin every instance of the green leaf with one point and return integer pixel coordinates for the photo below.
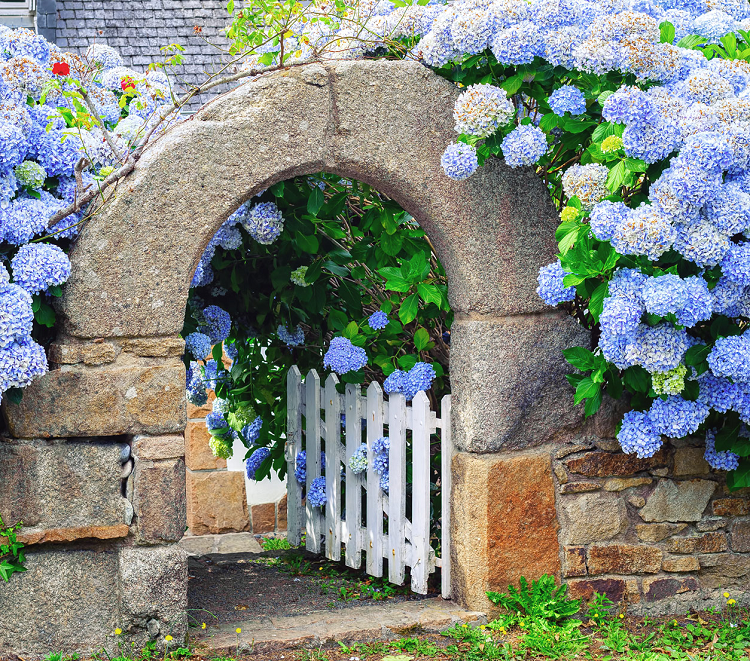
(585, 389)
(616, 176)
(307, 243)
(313, 271)
(596, 303)
(697, 354)
(580, 358)
(666, 31)
(593, 403)
(637, 379)
(691, 41)
(408, 310)
(45, 315)
(512, 84)
(217, 353)
(351, 330)
(397, 283)
(635, 164)
(549, 122)
(614, 382)
(421, 339)
(315, 201)
(604, 131)
(391, 243)
(740, 477)
(574, 125)
(230, 7)
(429, 293)
(278, 189)
(728, 434)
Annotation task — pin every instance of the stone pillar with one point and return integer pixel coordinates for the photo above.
(510, 402)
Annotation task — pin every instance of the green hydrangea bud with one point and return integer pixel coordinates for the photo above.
(31, 174)
(221, 447)
(298, 277)
(241, 416)
(611, 144)
(568, 214)
(106, 171)
(669, 383)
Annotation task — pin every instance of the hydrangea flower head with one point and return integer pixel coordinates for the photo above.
(16, 315)
(481, 109)
(264, 223)
(218, 323)
(358, 460)
(297, 277)
(21, 362)
(730, 358)
(31, 174)
(377, 320)
(459, 161)
(567, 98)
(551, 288)
(676, 417)
(195, 389)
(253, 462)
(342, 356)
(637, 435)
(586, 182)
(198, 345)
(316, 496)
(291, 339)
(524, 145)
(39, 266)
(725, 460)
(670, 382)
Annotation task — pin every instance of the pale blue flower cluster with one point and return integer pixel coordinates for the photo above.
(198, 345)
(567, 98)
(39, 266)
(377, 320)
(300, 466)
(381, 462)
(724, 460)
(524, 145)
(292, 339)
(316, 496)
(343, 356)
(264, 222)
(253, 462)
(195, 388)
(251, 432)
(358, 460)
(459, 161)
(551, 288)
(419, 377)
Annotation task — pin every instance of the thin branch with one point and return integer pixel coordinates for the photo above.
(107, 136)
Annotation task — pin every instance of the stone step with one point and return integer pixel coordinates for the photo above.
(384, 621)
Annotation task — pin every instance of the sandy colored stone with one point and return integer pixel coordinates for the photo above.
(560, 473)
(690, 461)
(680, 563)
(108, 401)
(570, 449)
(574, 561)
(623, 559)
(656, 589)
(710, 524)
(504, 523)
(592, 517)
(731, 507)
(711, 542)
(198, 454)
(678, 501)
(89, 353)
(216, 502)
(158, 447)
(264, 517)
(622, 483)
(155, 346)
(636, 501)
(655, 532)
(31, 536)
(579, 487)
(159, 500)
(660, 472)
(725, 570)
(237, 542)
(741, 537)
(608, 444)
(603, 464)
(201, 412)
(281, 514)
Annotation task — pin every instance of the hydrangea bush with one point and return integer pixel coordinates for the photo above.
(65, 122)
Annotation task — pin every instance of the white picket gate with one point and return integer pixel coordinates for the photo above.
(407, 542)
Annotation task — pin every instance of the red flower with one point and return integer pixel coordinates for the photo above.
(127, 83)
(61, 68)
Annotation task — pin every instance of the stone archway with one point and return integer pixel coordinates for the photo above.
(119, 372)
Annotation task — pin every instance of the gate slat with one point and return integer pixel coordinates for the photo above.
(374, 546)
(420, 514)
(333, 468)
(292, 448)
(312, 446)
(446, 456)
(354, 482)
(396, 487)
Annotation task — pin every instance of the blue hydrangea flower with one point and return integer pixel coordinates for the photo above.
(481, 109)
(251, 432)
(567, 98)
(664, 294)
(677, 417)
(419, 377)
(726, 460)
(39, 266)
(103, 56)
(551, 288)
(198, 345)
(524, 145)
(385, 481)
(620, 316)
(300, 466)
(378, 320)
(13, 146)
(16, 315)
(606, 217)
(380, 452)
(253, 462)
(459, 161)
(264, 223)
(637, 435)
(730, 358)
(718, 393)
(195, 388)
(698, 305)
(657, 348)
(627, 284)
(736, 263)
(215, 421)
(518, 44)
(230, 348)
(291, 339)
(342, 356)
(20, 362)
(395, 382)
(358, 460)
(630, 106)
(218, 323)
(316, 496)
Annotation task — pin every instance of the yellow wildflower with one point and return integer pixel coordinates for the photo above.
(203, 626)
(726, 595)
(238, 630)
(118, 632)
(168, 638)
(731, 602)
(621, 616)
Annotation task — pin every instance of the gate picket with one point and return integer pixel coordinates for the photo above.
(396, 488)
(292, 448)
(420, 508)
(333, 469)
(314, 520)
(354, 481)
(374, 492)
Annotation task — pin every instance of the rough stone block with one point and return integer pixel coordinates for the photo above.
(741, 537)
(731, 507)
(68, 599)
(656, 589)
(238, 542)
(264, 517)
(710, 524)
(30, 537)
(504, 523)
(574, 561)
(201, 411)
(579, 487)
(151, 448)
(623, 559)
(61, 484)
(592, 517)
(108, 401)
(603, 464)
(679, 563)
(614, 588)
(622, 483)
(690, 461)
(281, 518)
(159, 500)
(216, 502)
(198, 455)
(517, 364)
(711, 542)
(155, 347)
(153, 584)
(655, 532)
(89, 353)
(725, 570)
(678, 501)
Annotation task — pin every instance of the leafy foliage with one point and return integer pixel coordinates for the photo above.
(542, 599)
(11, 551)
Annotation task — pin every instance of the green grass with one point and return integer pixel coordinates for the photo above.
(275, 544)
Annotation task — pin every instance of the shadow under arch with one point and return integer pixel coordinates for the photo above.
(381, 122)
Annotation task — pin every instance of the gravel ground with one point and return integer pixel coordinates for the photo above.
(243, 587)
